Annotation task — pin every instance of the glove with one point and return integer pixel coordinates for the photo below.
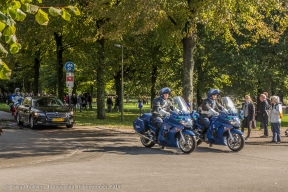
(213, 112)
(163, 113)
(225, 110)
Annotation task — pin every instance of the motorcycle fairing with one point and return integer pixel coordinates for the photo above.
(218, 138)
(166, 135)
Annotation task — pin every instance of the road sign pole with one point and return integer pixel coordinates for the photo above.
(69, 67)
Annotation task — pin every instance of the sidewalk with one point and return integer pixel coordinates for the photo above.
(256, 139)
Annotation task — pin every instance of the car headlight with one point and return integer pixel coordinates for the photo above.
(71, 113)
(37, 114)
(235, 122)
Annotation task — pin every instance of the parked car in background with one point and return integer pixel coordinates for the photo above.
(44, 110)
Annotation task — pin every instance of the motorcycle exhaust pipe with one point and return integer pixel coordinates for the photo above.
(141, 135)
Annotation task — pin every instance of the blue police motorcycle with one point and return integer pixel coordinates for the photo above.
(176, 130)
(223, 129)
(17, 100)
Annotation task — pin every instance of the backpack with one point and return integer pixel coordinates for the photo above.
(281, 114)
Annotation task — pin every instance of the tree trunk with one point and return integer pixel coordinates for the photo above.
(36, 73)
(188, 68)
(101, 82)
(153, 83)
(199, 80)
(117, 79)
(60, 65)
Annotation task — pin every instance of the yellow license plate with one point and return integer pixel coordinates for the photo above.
(58, 119)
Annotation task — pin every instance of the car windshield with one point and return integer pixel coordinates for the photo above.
(47, 102)
(180, 104)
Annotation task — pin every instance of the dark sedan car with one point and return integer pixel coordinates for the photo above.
(38, 110)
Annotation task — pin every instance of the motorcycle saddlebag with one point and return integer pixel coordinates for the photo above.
(139, 125)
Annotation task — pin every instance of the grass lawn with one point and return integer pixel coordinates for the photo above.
(131, 112)
(113, 120)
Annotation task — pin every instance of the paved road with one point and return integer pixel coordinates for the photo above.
(100, 159)
(5, 116)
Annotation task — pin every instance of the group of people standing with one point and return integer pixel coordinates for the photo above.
(79, 101)
(269, 111)
(109, 103)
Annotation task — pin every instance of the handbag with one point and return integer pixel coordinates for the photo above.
(267, 112)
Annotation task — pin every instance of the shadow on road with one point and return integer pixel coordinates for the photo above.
(132, 150)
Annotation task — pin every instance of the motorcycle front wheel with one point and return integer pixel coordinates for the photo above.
(238, 142)
(189, 145)
(146, 142)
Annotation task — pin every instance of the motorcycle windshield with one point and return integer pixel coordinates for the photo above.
(180, 104)
(228, 104)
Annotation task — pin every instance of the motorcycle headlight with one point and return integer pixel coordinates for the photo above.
(188, 123)
(235, 122)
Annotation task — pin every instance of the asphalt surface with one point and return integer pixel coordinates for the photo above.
(103, 159)
(6, 116)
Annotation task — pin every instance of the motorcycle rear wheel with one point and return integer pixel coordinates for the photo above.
(238, 143)
(146, 142)
(189, 146)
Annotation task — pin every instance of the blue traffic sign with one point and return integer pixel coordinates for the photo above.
(69, 66)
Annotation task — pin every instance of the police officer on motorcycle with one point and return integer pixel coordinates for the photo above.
(210, 107)
(16, 98)
(17, 95)
(161, 106)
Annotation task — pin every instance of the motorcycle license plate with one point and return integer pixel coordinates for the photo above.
(58, 119)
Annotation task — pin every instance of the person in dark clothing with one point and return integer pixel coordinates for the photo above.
(109, 103)
(89, 101)
(117, 103)
(249, 115)
(74, 102)
(1, 98)
(161, 106)
(263, 116)
(269, 104)
(84, 102)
